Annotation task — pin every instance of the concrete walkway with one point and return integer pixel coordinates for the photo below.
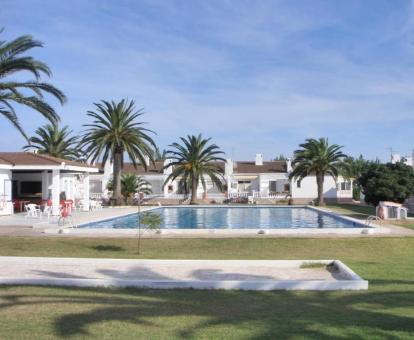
(233, 274)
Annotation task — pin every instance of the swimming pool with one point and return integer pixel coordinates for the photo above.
(233, 218)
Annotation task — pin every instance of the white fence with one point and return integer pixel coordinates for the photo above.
(210, 196)
(257, 194)
(95, 196)
(241, 194)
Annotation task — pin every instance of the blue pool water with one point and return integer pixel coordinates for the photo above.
(233, 218)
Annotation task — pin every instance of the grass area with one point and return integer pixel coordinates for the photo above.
(405, 223)
(362, 212)
(356, 211)
(385, 311)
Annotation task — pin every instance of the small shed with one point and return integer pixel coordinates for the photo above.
(390, 210)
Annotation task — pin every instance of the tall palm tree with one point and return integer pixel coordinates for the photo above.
(317, 157)
(115, 131)
(14, 62)
(55, 141)
(193, 161)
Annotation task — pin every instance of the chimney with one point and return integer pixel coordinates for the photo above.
(147, 160)
(229, 166)
(288, 165)
(167, 170)
(259, 159)
(108, 168)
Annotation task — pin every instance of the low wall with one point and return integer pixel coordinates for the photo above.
(327, 200)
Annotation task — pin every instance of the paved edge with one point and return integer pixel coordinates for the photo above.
(354, 281)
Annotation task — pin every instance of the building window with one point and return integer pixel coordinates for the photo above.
(344, 186)
(95, 186)
(272, 186)
(298, 184)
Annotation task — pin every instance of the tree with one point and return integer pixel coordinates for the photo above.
(54, 141)
(130, 185)
(387, 182)
(147, 221)
(280, 158)
(160, 155)
(317, 157)
(192, 161)
(115, 131)
(351, 169)
(28, 93)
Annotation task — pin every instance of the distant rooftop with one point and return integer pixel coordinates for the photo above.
(36, 159)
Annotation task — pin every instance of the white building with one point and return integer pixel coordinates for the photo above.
(242, 179)
(408, 160)
(27, 177)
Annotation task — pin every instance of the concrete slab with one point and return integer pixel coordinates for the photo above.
(196, 274)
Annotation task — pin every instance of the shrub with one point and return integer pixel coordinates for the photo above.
(387, 182)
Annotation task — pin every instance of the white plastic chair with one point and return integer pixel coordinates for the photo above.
(79, 205)
(47, 211)
(95, 205)
(33, 210)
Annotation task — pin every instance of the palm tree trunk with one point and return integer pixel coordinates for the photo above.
(194, 185)
(117, 178)
(319, 182)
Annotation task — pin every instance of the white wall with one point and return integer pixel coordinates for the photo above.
(6, 206)
(264, 180)
(308, 189)
(157, 182)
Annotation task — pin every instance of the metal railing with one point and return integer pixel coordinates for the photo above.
(372, 218)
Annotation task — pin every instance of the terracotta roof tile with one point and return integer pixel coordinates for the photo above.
(267, 167)
(140, 170)
(29, 158)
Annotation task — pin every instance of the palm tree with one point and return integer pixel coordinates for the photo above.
(115, 131)
(192, 161)
(160, 155)
(351, 169)
(54, 141)
(13, 62)
(132, 184)
(317, 157)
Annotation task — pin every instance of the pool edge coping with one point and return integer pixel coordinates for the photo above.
(363, 230)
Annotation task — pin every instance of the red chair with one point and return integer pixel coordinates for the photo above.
(16, 205)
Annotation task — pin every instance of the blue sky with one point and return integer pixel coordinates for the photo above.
(256, 76)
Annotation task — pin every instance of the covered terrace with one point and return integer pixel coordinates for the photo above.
(27, 177)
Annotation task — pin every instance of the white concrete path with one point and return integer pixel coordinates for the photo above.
(197, 274)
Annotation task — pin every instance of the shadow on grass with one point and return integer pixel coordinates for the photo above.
(107, 248)
(321, 315)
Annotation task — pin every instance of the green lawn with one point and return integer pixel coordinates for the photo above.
(362, 212)
(385, 311)
(356, 211)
